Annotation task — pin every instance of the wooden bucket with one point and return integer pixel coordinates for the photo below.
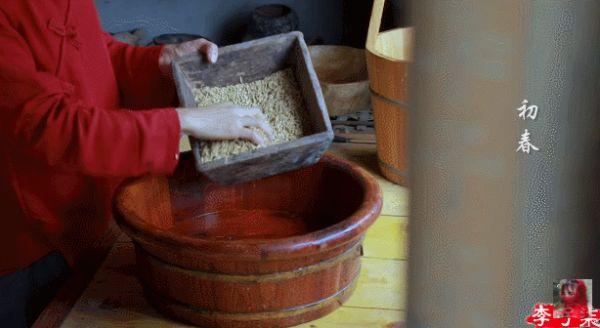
(388, 57)
(272, 253)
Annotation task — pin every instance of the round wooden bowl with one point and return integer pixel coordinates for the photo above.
(274, 252)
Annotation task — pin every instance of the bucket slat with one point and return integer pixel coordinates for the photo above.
(388, 59)
(211, 319)
(254, 265)
(250, 294)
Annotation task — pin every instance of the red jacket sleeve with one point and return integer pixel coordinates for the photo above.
(141, 83)
(40, 115)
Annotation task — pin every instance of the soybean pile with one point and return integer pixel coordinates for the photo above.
(279, 98)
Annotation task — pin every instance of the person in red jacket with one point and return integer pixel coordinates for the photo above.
(574, 302)
(79, 112)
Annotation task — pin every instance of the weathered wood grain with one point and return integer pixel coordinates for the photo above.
(248, 62)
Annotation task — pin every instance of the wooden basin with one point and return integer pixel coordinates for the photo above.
(274, 252)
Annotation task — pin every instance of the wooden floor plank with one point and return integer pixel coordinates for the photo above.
(381, 285)
(346, 317)
(114, 298)
(387, 238)
(80, 277)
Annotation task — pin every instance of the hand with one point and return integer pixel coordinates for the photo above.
(222, 122)
(208, 50)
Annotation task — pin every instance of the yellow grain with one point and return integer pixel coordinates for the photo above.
(279, 98)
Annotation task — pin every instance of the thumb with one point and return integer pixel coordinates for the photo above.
(210, 51)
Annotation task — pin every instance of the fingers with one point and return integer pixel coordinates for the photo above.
(263, 125)
(253, 136)
(253, 116)
(260, 122)
(212, 52)
(232, 121)
(207, 49)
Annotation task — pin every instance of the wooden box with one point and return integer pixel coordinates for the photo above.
(251, 61)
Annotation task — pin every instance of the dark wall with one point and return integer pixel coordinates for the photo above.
(222, 21)
(357, 15)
